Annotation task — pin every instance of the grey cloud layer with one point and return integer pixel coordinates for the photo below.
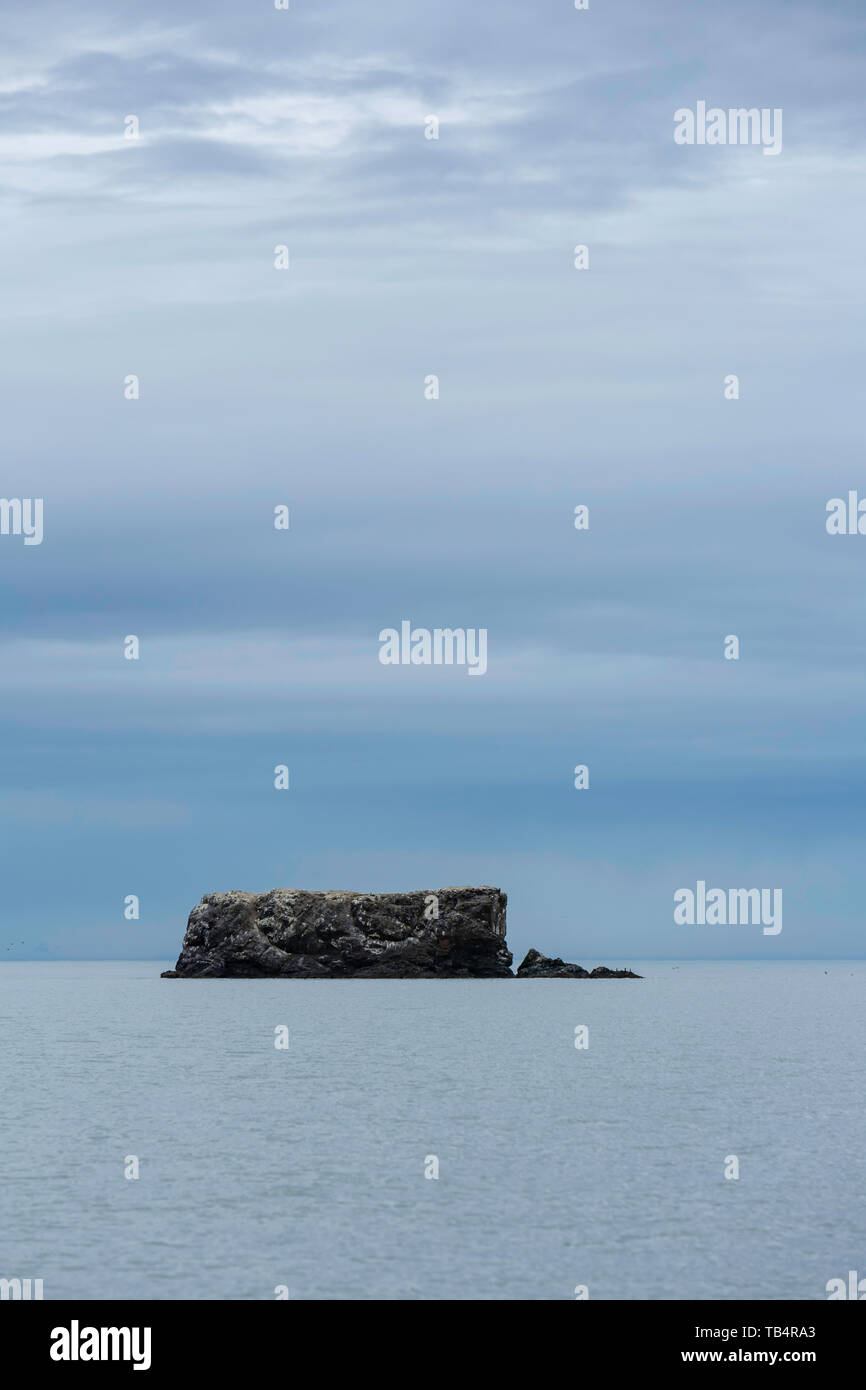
(557, 387)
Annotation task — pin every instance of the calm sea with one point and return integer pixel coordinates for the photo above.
(304, 1167)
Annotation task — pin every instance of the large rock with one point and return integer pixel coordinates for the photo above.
(536, 966)
(456, 932)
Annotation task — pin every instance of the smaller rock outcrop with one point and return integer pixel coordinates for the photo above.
(601, 972)
(536, 966)
(534, 963)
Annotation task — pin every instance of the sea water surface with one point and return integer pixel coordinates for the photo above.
(558, 1167)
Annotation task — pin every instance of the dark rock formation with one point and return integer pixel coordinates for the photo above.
(455, 932)
(536, 966)
(601, 972)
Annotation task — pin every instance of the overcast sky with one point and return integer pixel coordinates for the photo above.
(409, 257)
